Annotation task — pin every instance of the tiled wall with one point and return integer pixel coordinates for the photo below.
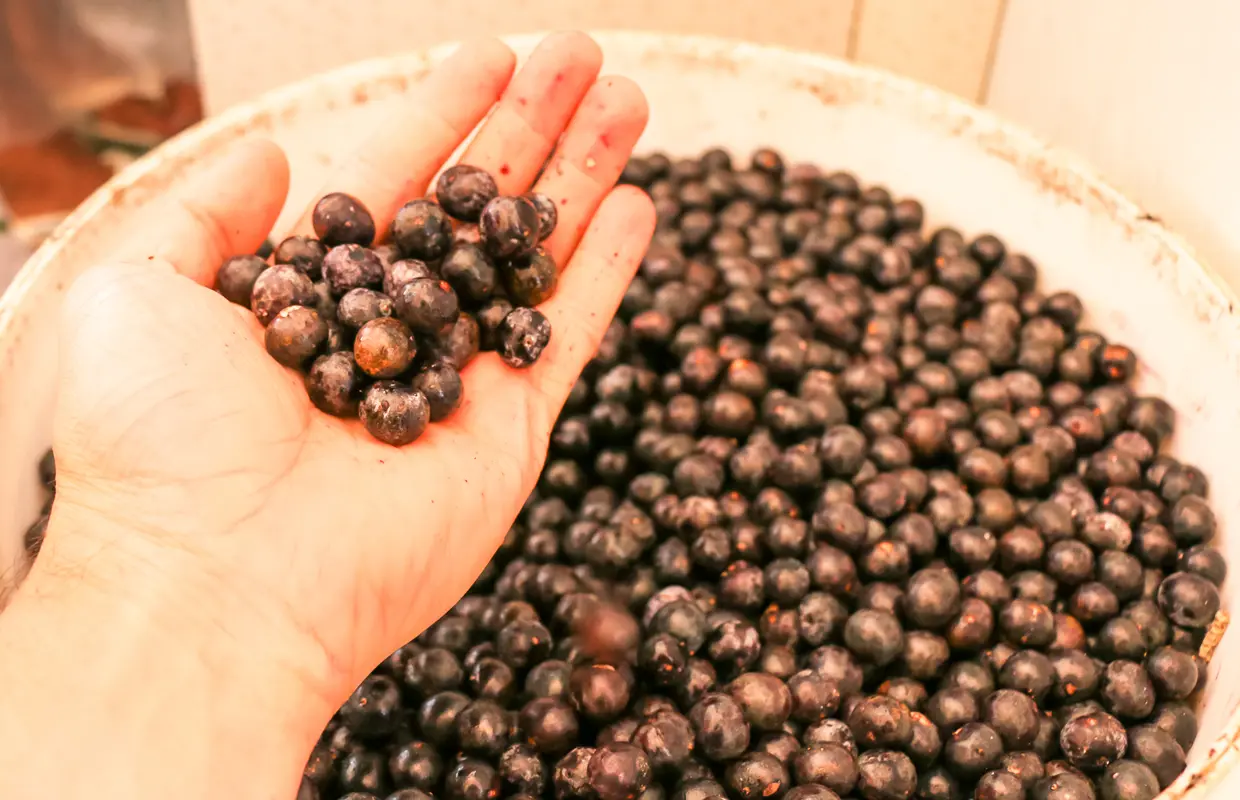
(245, 47)
(1147, 90)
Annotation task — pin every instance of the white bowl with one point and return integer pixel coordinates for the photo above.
(1140, 285)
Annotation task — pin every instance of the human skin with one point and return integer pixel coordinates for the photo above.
(224, 563)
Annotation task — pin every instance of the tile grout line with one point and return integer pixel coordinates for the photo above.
(992, 54)
(854, 30)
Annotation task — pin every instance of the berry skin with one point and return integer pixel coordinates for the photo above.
(755, 776)
(422, 230)
(618, 772)
(441, 385)
(393, 413)
(667, 738)
(236, 277)
(599, 692)
(879, 721)
(722, 732)
(416, 765)
(490, 319)
(571, 777)
(374, 708)
(549, 725)
(885, 775)
(359, 306)
(295, 336)
(1093, 741)
(362, 771)
(456, 345)
(932, 599)
(531, 278)
(1014, 716)
(1027, 624)
(463, 190)
(278, 288)
(764, 700)
(384, 348)
(471, 779)
(548, 214)
(1158, 750)
(1173, 673)
(339, 219)
(427, 306)
(1127, 780)
(523, 336)
(814, 698)
(470, 273)
(402, 271)
(1127, 690)
(302, 252)
(974, 748)
(1064, 786)
(874, 635)
(521, 770)
(351, 266)
(830, 765)
(482, 728)
(509, 226)
(938, 784)
(401, 794)
(999, 785)
(335, 384)
(1188, 599)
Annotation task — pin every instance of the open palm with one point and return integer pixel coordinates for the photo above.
(183, 449)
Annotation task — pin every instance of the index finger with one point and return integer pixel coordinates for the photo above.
(225, 211)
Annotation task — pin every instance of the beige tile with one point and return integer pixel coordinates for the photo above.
(1145, 91)
(245, 47)
(946, 43)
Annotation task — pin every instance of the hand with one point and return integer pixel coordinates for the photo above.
(203, 497)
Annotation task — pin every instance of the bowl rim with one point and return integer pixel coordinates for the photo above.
(354, 84)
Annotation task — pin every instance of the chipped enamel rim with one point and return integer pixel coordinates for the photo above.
(1054, 171)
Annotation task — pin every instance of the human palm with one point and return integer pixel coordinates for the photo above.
(184, 449)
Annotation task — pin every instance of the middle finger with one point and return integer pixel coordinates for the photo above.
(513, 143)
(397, 161)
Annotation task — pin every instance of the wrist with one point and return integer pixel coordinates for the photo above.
(193, 693)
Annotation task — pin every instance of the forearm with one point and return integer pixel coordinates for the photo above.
(136, 704)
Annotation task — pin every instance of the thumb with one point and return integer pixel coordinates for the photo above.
(159, 377)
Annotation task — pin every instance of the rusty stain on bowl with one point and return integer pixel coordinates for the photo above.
(1214, 635)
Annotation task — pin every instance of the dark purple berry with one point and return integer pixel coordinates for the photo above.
(441, 384)
(295, 335)
(278, 288)
(393, 413)
(523, 335)
(510, 227)
(339, 219)
(463, 190)
(422, 230)
(384, 348)
(236, 277)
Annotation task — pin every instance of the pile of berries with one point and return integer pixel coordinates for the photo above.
(841, 508)
(383, 332)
